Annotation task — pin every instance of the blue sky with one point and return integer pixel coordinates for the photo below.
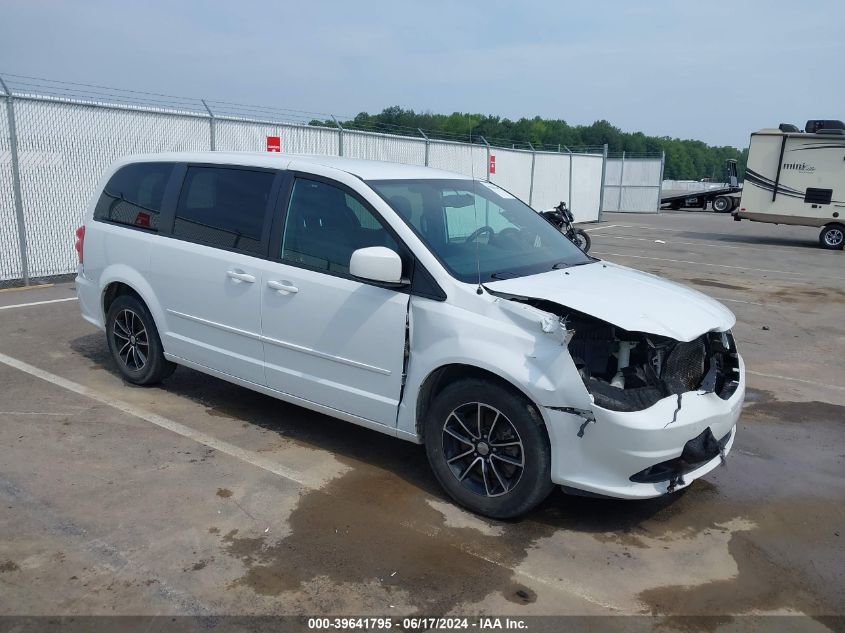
(712, 70)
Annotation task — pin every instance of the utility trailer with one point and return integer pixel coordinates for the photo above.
(797, 177)
(723, 199)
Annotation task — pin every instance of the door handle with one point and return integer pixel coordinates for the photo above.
(283, 287)
(239, 276)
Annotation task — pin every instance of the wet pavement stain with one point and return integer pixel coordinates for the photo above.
(9, 566)
(715, 284)
(200, 564)
(762, 582)
(370, 525)
(799, 295)
(788, 411)
(760, 585)
(225, 493)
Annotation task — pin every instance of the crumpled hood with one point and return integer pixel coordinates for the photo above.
(627, 298)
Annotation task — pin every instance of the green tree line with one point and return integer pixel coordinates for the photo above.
(686, 159)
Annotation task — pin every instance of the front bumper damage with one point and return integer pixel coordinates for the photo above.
(617, 448)
(657, 413)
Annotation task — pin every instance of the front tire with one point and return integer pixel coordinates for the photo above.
(488, 448)
(832, 237)
(134, 342)
(581, 239)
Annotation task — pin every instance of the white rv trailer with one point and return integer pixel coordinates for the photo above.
(798, 177)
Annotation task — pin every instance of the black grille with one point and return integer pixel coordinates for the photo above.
(684, 368)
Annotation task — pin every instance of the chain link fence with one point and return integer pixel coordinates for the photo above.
(58, 138)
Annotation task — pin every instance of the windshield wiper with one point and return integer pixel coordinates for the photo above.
(503, 275)
(560, 265)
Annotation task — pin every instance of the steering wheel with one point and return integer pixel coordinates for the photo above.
(477, 232)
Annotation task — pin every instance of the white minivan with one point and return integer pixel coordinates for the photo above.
(419, 303)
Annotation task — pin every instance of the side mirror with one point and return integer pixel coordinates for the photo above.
(377, 263)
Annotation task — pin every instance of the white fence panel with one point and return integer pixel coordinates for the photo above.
(633, 184)
(586, 187)
(10, 255)
(513, 171)
(249, 136)
(470, 160)
(64, 150)
(612, 185)
(394, 149)
(551, 181)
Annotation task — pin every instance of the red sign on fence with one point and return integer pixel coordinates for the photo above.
(274, 143)
(492, 163)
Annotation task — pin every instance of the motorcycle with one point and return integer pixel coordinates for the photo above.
(561, 218)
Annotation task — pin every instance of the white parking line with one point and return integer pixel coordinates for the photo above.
(160, 421)
(753, 303)
(684, 261)
(815, 383)
(599, 228)
(36, 303)
(699, 243)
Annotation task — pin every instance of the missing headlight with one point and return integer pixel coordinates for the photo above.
(631, 371)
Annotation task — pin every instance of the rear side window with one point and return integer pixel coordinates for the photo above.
(133, 195)
(224, 207)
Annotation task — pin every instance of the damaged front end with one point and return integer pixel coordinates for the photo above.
(632, 371)
(660, 401)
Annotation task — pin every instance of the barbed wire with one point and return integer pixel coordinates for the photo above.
(109, 96)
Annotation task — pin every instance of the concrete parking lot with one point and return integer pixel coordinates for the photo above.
(199, 497)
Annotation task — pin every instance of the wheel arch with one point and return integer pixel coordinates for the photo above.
(439, 378)
(122, 280)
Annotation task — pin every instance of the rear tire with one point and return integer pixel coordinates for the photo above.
(488, 448)
(134, 342)
(722, 204)
(832, 237)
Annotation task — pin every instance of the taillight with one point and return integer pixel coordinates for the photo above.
(80, 242)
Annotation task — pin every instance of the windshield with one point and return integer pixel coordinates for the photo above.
(478, 229)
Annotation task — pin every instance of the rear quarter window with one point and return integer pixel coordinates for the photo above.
(133, 195)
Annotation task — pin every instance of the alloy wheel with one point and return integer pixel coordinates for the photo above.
(483, 449)
(834, 237)
(130, 340)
